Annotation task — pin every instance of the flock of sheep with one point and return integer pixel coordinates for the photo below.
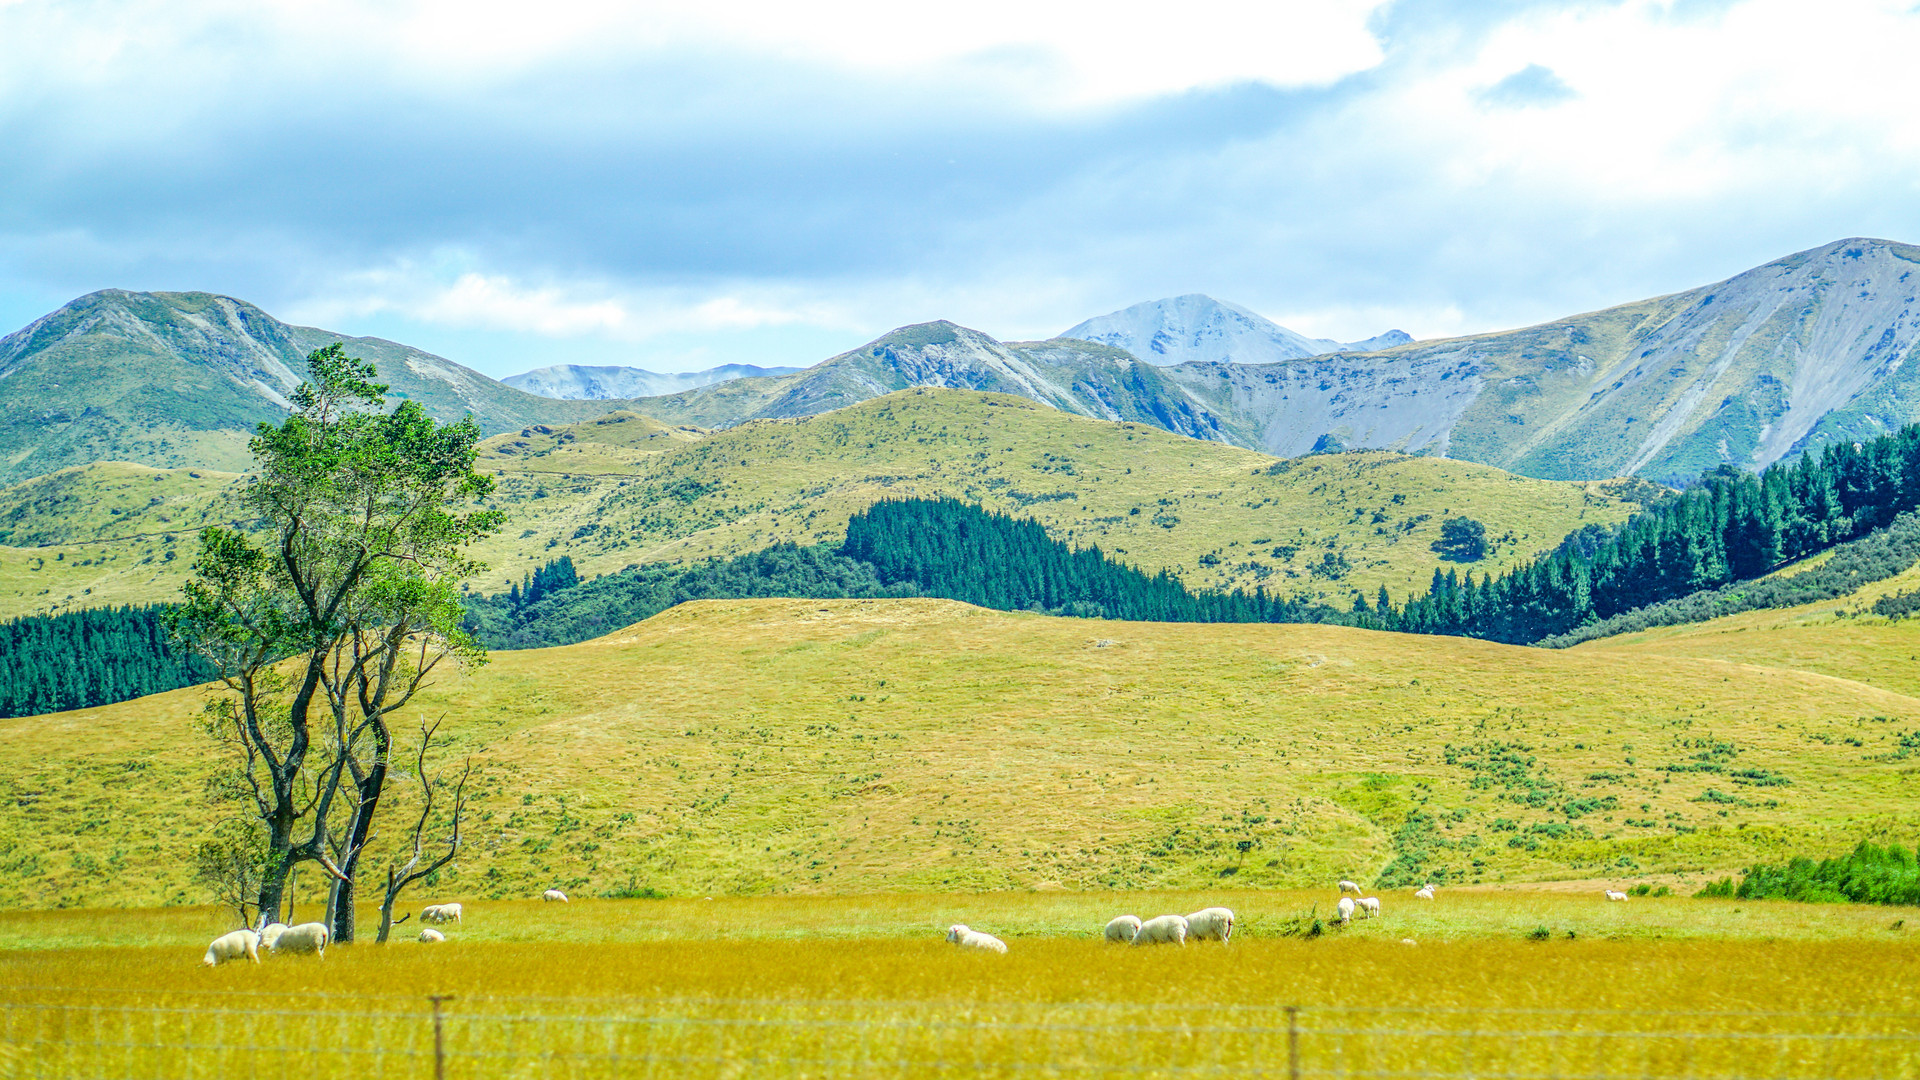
(1207, 924)
(310, 937)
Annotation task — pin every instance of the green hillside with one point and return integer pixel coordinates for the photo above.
(180, 380)
(624, 490)
(846, 746)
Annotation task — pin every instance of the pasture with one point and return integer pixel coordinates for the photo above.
(864, 985)
(773, 746)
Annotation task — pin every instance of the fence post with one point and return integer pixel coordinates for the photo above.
(439, 1037)
(1293, 1042)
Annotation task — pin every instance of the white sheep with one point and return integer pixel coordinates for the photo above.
(1164, 930)
(1612, 895)
(1211, 924)
(440, 913)
(1349, 887)
(271, 932)
(1123, 929)
(974, 939)
(1370, 905)
(428, 935)
(306, 938)
(233, 946)
(554, 894)
(1424, 894)
(1345, 908)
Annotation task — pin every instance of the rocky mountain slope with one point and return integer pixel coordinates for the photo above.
(579, 382)
(1197, 327)
(1787, 357)
(180, 379)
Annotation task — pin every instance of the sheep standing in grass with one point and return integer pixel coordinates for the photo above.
(1211, 924)
(1164, 930)
(1612, 895)
(1122, 929)
(960, 935)
(1424, 894)
(1345, 909)
(232, 947)
(440, 913)
(271, 932)
(1349, 887)
(554, 894)
(429, 935)
(309, 937)
(1370, 905)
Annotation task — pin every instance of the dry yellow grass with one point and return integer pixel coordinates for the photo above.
(744, 747)
(865, 986)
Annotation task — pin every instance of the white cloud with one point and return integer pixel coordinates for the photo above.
(426, 292)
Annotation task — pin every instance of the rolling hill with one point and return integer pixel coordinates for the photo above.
(624, 490)
(180, 379)
(772, 746)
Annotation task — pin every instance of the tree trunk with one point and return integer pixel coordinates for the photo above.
(340, 903)
(386, 909)
(273, 880)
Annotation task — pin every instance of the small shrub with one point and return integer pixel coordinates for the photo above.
(1539, 933)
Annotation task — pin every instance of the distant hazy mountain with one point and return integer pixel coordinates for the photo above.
(1197, 327)
(576, 382)
(169, 379)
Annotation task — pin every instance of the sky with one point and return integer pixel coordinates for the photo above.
(672, 187)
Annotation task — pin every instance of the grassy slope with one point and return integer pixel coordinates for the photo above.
(743, 489)
(626, 489)
(755, 746)
(109, 533)
(1831, 638)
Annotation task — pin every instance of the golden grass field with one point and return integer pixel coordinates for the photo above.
(738, 748)
(864, 985)
(625, 490)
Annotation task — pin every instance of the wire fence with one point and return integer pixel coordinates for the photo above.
(87, 1034)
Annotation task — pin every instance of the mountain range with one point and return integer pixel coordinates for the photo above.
(579, 382)
(1799, 353)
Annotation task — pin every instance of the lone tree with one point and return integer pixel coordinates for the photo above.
(320, 632)
(1462, 539)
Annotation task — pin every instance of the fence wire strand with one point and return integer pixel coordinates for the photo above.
(85, 1034)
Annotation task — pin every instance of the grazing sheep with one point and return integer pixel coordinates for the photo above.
(1211, 924)
(1370, 905)
(1165, 930)
(554, 894)
(1408, 941)
(1611, 895)
(1349, 887)
(1345, 908)
(440, 913)
(429, 935)
(307, 937)
(271, 932)
(232, 947)
(974, 939)
(1123, 928)
(1425, 894)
